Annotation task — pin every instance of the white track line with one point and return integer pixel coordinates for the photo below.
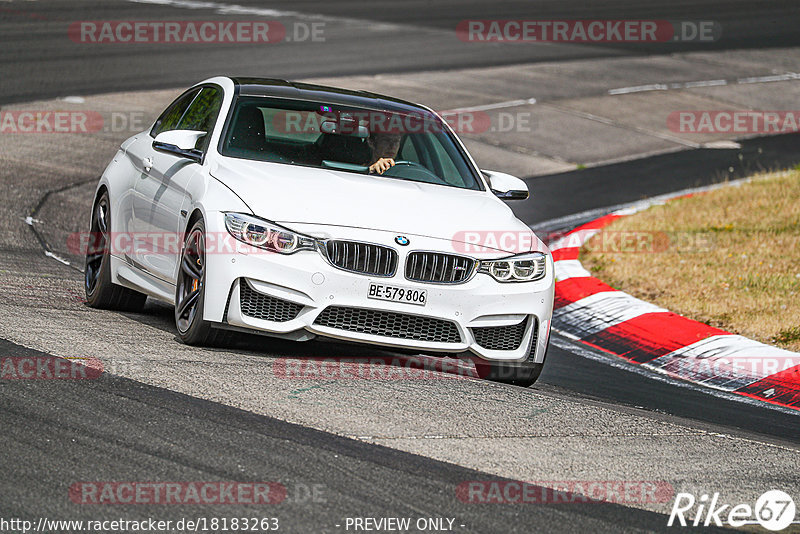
(56, 257)
(703, 83)
(768, 79)
(223, 9)
(639, 89)
(235, 9)
(497, 105)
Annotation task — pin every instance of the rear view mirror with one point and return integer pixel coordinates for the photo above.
(344, 127)
(506, 186)
(180, 143)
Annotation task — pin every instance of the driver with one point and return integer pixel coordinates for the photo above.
(384, 149)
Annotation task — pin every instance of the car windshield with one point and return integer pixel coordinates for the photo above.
(327, 136)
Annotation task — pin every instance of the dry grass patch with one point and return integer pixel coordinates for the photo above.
(729, 258)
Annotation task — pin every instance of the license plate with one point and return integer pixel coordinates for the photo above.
(397, 294)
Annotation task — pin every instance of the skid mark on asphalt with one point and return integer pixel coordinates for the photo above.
(31, 219)
(295, 394)
(534, 413)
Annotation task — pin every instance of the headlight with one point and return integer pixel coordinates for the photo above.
(267, 235)
(523, 268)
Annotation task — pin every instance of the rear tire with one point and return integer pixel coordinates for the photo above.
(101, 292)
(190, 293)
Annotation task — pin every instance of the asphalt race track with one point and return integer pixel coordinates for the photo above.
(370, 37)
(125, 425)
(166, 412)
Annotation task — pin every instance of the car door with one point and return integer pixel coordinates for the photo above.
(161, 193)
(141, 153)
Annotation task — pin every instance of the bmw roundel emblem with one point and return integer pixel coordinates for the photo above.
(401, 240)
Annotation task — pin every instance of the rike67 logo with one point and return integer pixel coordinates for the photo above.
(774, 510)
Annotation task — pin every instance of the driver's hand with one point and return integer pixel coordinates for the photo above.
(382, 165)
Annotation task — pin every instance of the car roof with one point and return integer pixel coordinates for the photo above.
(278, 88)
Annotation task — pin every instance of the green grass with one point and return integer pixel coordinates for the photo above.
(732, 258)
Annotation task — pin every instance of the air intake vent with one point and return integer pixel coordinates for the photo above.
(438, 268)
(362, 258)
(265, 307)
(389, 324)
(502, 337)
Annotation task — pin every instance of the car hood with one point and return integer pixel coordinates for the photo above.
(289, 194)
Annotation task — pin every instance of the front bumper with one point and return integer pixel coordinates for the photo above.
(307, 281)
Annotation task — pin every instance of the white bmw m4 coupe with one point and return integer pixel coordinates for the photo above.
(300, 211)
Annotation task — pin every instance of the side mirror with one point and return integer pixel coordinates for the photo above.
(506, 186)
(180, 143)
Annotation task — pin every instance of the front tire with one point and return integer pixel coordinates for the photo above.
(190, 292)
(101, 292)
(522, 374)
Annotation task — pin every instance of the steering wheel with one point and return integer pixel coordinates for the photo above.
(414, 166)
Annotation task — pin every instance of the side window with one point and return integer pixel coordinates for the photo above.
(171, 117)
(202, 114)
